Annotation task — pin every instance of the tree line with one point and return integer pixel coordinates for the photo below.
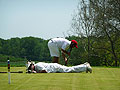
(30, 48)
(36, 49)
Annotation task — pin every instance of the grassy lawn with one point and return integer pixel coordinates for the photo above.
(101, 79)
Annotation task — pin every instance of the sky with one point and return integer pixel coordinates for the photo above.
(38, 18)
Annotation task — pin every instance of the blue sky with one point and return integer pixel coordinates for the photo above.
(38, 18)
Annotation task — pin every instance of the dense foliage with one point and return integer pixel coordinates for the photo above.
(31, 48)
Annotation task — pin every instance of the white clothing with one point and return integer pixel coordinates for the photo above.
(55, 67)
(58, 43)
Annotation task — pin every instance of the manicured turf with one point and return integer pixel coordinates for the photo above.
(100, 79)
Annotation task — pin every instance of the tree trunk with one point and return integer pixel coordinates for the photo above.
(88, 49)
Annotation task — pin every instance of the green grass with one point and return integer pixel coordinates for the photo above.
(101, 79)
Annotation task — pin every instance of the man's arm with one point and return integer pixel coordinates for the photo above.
(42, 71)
(64, 56)
(65, 52)
(68, 52)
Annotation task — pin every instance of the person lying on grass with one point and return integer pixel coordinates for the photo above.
(42, 67)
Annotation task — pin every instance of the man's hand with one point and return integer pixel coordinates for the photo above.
(34, 72)
(66, 61)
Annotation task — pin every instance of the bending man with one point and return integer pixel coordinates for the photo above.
(62, 44)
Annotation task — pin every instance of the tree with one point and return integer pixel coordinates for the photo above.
(99, 22)
(83, 23)
(107, 24)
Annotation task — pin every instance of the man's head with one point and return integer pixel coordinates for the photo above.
(30, 66)
(74, 43)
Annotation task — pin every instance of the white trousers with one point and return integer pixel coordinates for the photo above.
(53, 48)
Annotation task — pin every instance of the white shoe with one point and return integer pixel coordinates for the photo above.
(89, 68)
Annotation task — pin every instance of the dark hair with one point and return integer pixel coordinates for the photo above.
(29, 68)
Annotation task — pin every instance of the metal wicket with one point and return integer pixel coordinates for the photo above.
(9, 79)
